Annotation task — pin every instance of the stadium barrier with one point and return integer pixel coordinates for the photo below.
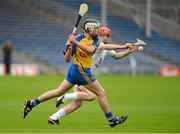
(21, 70)
(170, 71)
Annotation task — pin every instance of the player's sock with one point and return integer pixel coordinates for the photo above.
(35, 102)
(110, 117)
(58, 114)
(70, 96)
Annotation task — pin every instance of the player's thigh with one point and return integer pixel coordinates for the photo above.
(77, 103)
(85, 90)
(89, 92)
(96, 88)
(64, 87)
(80, 88)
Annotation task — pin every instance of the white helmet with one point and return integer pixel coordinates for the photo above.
(91, 26)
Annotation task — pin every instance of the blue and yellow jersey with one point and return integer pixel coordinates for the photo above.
(81, 58)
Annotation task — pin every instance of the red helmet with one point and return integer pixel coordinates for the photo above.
(104, 31)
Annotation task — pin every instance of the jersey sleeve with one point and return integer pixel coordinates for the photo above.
(73, 49)
(111, 52)
(95, 43)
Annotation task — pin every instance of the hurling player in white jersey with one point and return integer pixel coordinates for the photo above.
(103, 50)
(80, 92)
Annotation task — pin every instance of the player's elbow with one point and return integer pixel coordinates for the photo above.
(67, 60)
(102, 47)
(91, 97)
(91, 51)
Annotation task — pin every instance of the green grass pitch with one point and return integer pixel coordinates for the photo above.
(152, 104)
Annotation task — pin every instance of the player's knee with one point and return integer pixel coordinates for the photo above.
(102, 92)
(92, 97)
(76, 88)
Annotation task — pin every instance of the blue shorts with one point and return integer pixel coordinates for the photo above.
(79, 75)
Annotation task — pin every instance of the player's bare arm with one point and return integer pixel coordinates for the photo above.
(121, 54)
(103, 46)
(87, 49)
(68, 56)
(124, 53)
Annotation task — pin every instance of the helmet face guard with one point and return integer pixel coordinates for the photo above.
(91, 26)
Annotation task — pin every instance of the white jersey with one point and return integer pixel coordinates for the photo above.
(98, 58)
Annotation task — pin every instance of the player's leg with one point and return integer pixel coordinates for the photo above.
(82, 76)
(82, 94)
(87, 79)
(88, 95)
(67, 109)
(100, 92)
(97, 89)
(78, 103)
(62, 88)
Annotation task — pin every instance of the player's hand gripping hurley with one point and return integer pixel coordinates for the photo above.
(82, 10)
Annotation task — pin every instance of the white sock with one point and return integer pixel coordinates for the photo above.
(58, 114)
(70, 96)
